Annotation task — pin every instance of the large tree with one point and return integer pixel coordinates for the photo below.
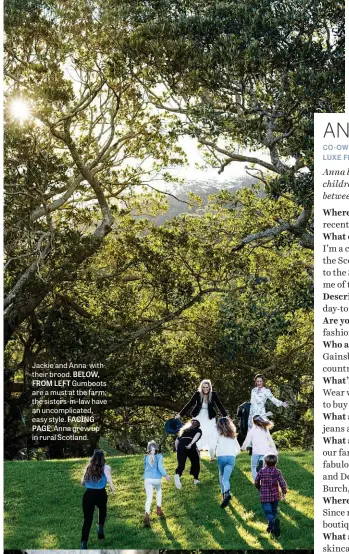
(72, 167)
(164, 307)
(223, 291)
(246, 78)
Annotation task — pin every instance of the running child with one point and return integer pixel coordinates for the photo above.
(261, 440)
(187, 448)
(267, 481)
(227, 450)
(96, 476)
(153, 472)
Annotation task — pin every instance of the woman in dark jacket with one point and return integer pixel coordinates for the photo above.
(202, 406)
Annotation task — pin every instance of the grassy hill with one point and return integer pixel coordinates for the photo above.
(43, 507)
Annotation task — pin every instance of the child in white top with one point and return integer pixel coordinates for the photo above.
(227, 450)
(262, 442)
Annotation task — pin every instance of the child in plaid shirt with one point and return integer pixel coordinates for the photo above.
(267, 482)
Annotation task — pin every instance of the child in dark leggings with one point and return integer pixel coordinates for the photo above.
(186, 448)
(95, 478)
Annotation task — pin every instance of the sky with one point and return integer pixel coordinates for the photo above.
(192, 173)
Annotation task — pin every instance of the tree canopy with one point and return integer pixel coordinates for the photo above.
(223, 290)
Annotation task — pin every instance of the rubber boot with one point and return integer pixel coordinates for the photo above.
(275, 530)
(227, 497)
(178, 481)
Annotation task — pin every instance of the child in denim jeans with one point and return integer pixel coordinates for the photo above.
(227, 450)
(268, 481)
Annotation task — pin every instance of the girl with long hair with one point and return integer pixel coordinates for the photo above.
(202, 406)
(186, 446)
(227, 450)
(153, 472)
(262, 442)
(95, 478)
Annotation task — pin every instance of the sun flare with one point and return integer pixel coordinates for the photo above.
(20, 109)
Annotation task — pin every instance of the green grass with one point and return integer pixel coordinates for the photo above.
(43, 507)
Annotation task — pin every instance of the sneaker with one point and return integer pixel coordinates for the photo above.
(146, 520)
(196, 482)
(275, 529)
(177, 481)
(226, 498)
(269, 528)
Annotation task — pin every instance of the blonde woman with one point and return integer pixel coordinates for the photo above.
(227, 450)
(202, 406)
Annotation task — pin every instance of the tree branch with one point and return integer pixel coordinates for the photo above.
(49, 208)
(237, 157)
(64, 299)
(159, 323)
(298, 229)
(105, 226)
(23, 280)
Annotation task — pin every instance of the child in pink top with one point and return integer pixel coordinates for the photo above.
(262, 442)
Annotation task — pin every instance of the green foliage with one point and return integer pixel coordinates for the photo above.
(250, 74)
(303, 435)
(211, 293)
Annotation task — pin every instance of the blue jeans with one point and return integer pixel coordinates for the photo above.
(254, 462)
(225, 467)
(270, 510)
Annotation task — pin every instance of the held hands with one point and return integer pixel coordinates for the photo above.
(168, 478)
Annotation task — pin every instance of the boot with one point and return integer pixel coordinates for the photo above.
(178, 481)
(275, 528)
(100, 532)
(226, 498)
(146, 520)
(83, 545)
(159, 511)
